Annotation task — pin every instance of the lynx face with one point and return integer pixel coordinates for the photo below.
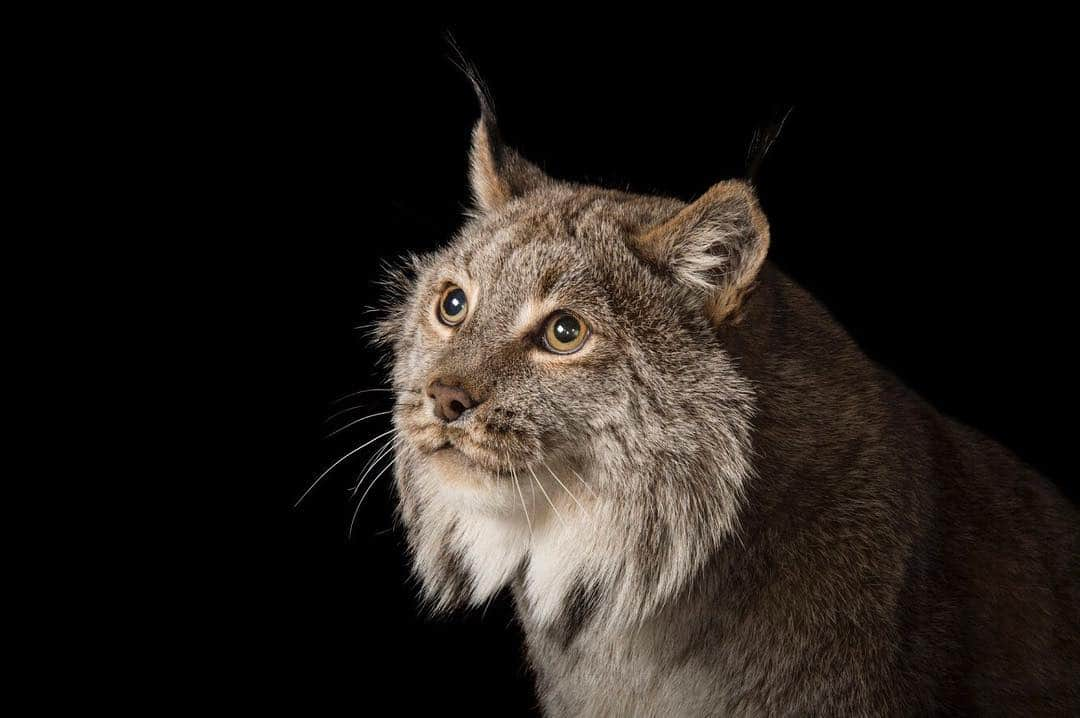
(523, 278)
(556, 371)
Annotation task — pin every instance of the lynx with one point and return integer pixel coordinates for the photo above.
(704, 499)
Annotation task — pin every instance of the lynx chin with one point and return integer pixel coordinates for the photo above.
(704, 499)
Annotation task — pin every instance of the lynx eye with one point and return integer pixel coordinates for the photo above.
(565, 332)
(453, 306)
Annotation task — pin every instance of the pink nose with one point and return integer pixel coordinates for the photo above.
(451, 399)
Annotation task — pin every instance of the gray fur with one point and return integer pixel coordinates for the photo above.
(719, 506)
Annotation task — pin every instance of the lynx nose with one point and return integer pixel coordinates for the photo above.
(451, 399)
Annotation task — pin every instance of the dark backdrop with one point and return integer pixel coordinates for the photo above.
(921, 203)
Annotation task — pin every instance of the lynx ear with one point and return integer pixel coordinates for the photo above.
(716, 245)
(497, 173)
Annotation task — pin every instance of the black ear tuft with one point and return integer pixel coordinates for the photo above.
(497, 173)
(763, 140)
(480, 88)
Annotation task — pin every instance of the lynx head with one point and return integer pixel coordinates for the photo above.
(566, 415)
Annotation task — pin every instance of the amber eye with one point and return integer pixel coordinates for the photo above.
(453, 305)
(565, 332)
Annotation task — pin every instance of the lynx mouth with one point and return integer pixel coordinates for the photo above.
(448, 447)
(464, 456)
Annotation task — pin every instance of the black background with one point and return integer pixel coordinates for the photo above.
(921, 201)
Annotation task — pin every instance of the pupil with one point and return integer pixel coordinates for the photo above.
(567, 329)
(454, 303)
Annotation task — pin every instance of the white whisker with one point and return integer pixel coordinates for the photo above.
(343, 411)
(376, 479)
(583, 482)
(517, 485)
(356, 393)
(360, 503)
(562, 485)
(377, 455)
(336, 463)
(541, 487)
(383, 452)
(357, 421)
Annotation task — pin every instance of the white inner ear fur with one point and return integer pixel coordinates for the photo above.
(715, 245)
(704, 253)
